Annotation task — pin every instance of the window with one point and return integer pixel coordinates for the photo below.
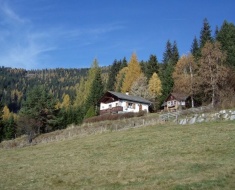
(171, 103)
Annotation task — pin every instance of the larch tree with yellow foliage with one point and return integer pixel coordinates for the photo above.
(80, 88)
(6, 113)
(84, 87)
(66, 102)
(155, 89)
(132, 74)
(120, 78)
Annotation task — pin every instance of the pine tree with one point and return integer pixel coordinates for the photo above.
(167, 81)
(226, 37)
(205, 34)
(133, 72)
(143, 66)
(91, 77)
(39, 107)
(152, 66)
(195, 50)
(97, 90)
(167, 55)
(10, 128)
(170, 58)
(216, 32)
(175, 54)
(112, 74)
(124, 63)
(84, 87)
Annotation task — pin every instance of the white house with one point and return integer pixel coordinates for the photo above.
(115, 102)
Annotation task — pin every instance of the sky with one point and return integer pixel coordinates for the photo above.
(40, 34)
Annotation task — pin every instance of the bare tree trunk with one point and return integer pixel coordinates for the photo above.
(213, 95)
(191, 74)
(192, 101)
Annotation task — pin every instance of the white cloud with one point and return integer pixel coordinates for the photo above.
(24, 44)
(10, 15)
(22, 47)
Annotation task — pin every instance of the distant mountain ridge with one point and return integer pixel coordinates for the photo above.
(14, 83)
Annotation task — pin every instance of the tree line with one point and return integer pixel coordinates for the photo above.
(40, 101)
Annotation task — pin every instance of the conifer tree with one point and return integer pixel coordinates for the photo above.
(39, 107)
(124, 63)
(143, 66)
(205, 34)
(133, 72)
(216, 32)
(170, 58)
(152, 66)
(84, 87)
(226, 37)
(195, 50)
(10, 128)
(167, 55)
(91, 77)
(112, 74)
(175, 54)
(96, 92)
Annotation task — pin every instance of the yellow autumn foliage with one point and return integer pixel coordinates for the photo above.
(132, 74)
(155, 85)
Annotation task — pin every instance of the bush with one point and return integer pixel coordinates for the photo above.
(114, 117)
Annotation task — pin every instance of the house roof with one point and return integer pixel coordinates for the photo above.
(179, 96)
(128, 97)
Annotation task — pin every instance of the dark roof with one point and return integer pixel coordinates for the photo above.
(129, 97)
(179, 96)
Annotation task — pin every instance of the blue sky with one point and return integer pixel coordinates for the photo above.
(39, 34)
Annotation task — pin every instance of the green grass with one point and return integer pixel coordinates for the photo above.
(173, 157)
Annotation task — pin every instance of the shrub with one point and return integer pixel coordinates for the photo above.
(114, 117)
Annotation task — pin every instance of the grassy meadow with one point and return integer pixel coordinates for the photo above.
(200, 156)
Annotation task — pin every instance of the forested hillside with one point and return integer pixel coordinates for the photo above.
(40, 101)
(14, 83)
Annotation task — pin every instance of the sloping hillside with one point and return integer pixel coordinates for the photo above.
(200, 156)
